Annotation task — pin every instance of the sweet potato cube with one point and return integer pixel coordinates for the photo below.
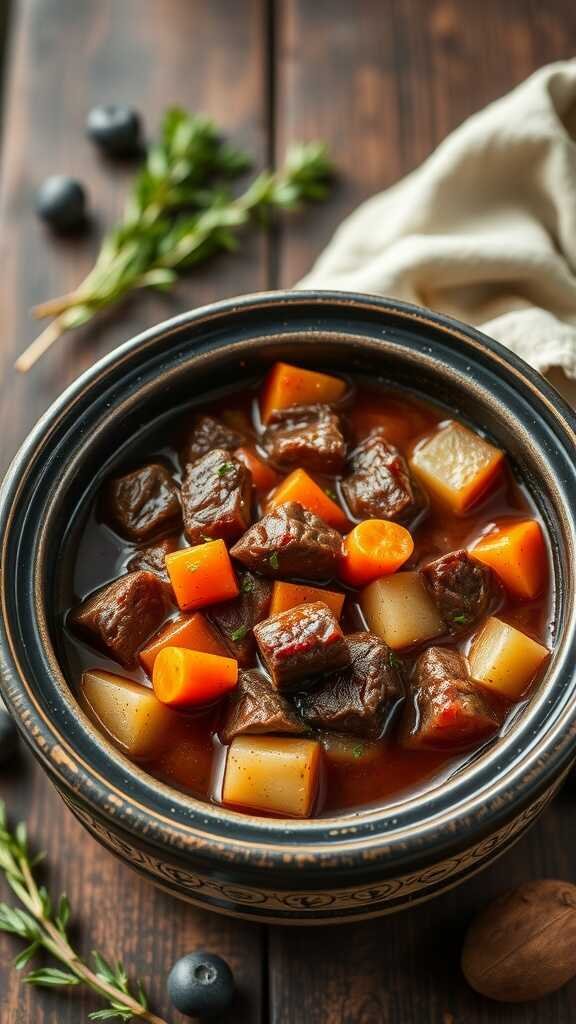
(456, 466)
(399, 609)
(504, 659)
(202, 575)
(129, 712)
(191, 631)
(288, 595)
(299, 486)
(517, 553)
(287, 386)
(272, 773)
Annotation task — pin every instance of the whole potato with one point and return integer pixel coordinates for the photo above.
(523, 945)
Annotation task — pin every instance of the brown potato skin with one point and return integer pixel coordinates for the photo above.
(523, 945)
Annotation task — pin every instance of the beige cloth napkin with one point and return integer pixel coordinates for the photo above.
(484, 229)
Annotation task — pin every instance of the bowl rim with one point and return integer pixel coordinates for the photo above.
(332, 840)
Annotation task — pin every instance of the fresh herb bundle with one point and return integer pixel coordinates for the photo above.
(44, 926)
(180, 212)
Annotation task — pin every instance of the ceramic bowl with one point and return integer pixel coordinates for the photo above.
(327, 869)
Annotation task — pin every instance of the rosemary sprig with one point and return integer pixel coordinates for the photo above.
(179, 213)
(44, 926)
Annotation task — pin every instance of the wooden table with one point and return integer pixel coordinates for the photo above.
(382, 82)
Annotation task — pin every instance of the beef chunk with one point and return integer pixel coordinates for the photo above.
(379, 485)
(256, 707)
(235, 619)
(463, 589)
(154, 556)
(120, 617)
(448, 708)
(216, 497)
(290, 541)
(143, 504)
(359, 699)
(309, 436)
(300, 644)
(206, 434)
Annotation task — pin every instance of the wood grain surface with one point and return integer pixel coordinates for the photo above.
(382, 82)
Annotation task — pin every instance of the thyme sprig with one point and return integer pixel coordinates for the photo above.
(180, 212)
(44, 926)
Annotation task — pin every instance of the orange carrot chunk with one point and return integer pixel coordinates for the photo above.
(374, 548)
(288, 595)
(287, 385)
(202, 575)
(264, 477)
(298, 486)
(191, 631)
(517, 553)
(184, 679)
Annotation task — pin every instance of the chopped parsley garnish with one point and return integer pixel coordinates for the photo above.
(461, 619)
(358, 750)
(239, 634)
(331, 494)
(224, 468)
(274, 560)
(247, 584)
(393, 661)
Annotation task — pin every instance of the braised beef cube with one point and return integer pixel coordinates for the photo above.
(154, 556)
(448, 708)
(308, 436)
(290, 541)
(236, 619)
(206, 434)
(143, 504)
(464, 590)
(120, 617)
(361, 698)
(216, 497)
(379, 485)
(256, 707)
(301, 644)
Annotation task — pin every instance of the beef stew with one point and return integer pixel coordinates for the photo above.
(359, 598)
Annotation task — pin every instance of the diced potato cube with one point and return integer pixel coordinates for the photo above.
(504, 659)
(456, 465)
(399, 609)
(272, 773)
(129, 712)
(349, 750)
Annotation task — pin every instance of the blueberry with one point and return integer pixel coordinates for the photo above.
(8, 737)
(201, 985)
(61, 202)
(115, 129)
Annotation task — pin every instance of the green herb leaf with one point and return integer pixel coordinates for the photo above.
(273, 560)
(358, 750)
(331, 494)
(26, 955)
(225, 468)
(461, 619)
(393, 661)
(47, 977)
(239, 634)
(247, 584)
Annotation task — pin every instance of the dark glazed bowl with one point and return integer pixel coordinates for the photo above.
(322, 870)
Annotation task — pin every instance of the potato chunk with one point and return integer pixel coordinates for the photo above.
(272, 773)
(504, 659)
(129, 712)
(456, 466)
(399, 609)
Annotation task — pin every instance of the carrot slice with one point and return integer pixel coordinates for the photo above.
(264, 477)
(517, 553)
(288, 385)
(202, 575)
(183, 678)
(298, 486)
(191, 631)
(374, 548)
(288, 595)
